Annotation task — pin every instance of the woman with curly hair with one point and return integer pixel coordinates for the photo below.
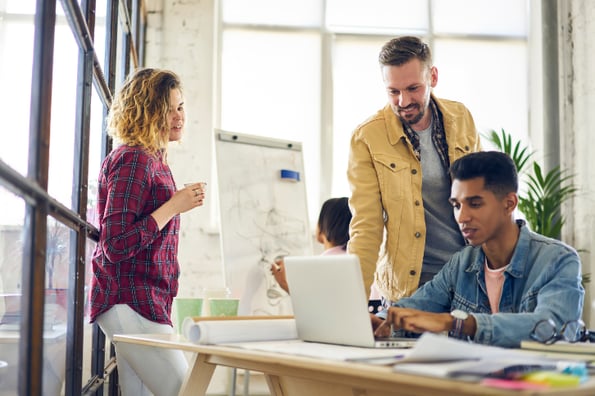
(135, 263)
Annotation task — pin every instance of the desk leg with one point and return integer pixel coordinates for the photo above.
(198, 377)
(232, 382)
(246, 382)
(274, 385)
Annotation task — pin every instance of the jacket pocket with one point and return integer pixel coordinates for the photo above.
(462, 149)
(465, 303)
(393, 176)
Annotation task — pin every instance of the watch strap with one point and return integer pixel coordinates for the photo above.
(458, 323)
(457, 328)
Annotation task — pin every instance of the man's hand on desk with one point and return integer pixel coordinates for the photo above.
(376, 321)
(417, 321)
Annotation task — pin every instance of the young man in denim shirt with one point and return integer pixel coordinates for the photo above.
(510, 278)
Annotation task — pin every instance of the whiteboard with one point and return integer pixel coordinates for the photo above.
(262, 215)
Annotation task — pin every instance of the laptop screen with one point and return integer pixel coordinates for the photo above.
(329, 302)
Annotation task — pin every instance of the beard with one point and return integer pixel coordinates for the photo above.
(415, 118)
(422, 108)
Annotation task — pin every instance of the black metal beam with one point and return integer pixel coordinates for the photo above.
(111, 44)
(33, 278)
(130, 36)
(111, 54)
(32, 194)
(125, 34)
(76, 285)
(84, 38)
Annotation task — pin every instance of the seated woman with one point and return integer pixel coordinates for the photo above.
(332, 231)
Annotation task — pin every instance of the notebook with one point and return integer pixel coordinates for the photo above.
(330, 304)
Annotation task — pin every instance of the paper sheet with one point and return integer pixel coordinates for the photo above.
(433, 348)
(469, 369)
(323, 351)
(437, 355)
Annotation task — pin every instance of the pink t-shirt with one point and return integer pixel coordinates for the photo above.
(334, 250)
(494, 282)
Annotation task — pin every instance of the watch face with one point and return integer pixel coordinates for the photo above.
(457, 313)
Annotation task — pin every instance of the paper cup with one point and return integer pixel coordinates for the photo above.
(208, 293)
(186, 307)
(223, 306)
(202, 184)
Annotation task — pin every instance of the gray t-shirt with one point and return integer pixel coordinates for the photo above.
(443, 237)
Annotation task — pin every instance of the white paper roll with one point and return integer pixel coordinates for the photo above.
(226, 331)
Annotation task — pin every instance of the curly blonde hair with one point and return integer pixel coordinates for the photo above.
(139, 110)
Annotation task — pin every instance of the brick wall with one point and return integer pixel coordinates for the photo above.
(180, 37)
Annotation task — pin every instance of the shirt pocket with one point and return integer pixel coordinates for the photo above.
(465, 302)
(394, 177)
(462, 148)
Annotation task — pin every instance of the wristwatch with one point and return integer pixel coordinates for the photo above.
(457, 325)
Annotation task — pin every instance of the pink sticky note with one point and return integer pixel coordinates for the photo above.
(511, 384)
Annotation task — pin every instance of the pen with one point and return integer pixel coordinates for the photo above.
(275, 261)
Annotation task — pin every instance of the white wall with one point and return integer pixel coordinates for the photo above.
(577, 119)
(180, 37)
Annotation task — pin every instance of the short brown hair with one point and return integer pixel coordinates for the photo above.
(401, 50)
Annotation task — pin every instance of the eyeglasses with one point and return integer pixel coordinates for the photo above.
(572, 331)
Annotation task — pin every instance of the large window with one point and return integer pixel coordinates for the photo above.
(308, 71)
(35, 219)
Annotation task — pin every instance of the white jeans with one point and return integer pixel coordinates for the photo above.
(143, 370)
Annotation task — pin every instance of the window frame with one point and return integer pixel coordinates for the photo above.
(328, 36)
(129, 28)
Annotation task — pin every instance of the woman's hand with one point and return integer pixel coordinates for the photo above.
(197, 194)
(278, 272)
(190, 197)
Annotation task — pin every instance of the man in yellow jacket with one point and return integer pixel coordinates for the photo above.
(403, 229)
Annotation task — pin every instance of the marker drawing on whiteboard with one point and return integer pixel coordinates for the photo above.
(290, 175)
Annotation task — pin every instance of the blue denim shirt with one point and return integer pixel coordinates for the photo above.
(543, 280)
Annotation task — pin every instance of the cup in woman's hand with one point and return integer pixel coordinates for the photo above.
(197, 187)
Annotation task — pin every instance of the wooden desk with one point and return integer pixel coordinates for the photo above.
(289, 375)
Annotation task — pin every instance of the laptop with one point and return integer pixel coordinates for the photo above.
(330, 304)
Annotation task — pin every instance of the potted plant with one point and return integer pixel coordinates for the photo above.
(545, 192)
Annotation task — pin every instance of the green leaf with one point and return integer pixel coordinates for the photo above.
(546, 191)
(520, 155)
(545, 196)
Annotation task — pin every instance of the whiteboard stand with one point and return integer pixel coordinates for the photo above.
(263, 214)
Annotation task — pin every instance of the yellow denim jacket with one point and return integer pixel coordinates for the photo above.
(388, 230)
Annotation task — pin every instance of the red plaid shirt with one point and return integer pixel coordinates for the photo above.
(134, 263)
